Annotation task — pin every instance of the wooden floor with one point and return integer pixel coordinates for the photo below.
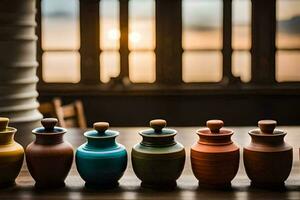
(187, 184)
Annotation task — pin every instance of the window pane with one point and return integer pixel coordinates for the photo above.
(241, 30)
(61, 67)
(202, 24)
(109, 24)
(141, 24)
(288, 23)
(109, 65)
(60, 24)
(287, 66)
(241, 65)
(202, 66)
(142, 67)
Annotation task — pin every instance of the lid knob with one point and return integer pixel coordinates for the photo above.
(267, 126)
(158, 124)
(215, 125)
(49, 123)
(101, 127)
(3, 123)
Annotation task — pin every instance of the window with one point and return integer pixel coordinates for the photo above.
(142, 41)
(241, 39)
(202, 41)
(207, 41)
(288, 41)
(109, 39)
(60, 41)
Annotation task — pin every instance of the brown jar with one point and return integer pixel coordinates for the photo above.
(268, 159)
(49, 157)
(215, 158)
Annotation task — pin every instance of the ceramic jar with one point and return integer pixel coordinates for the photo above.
(101, 161)
(158, 160)
(11, 154)
(49, 157)
(268, 158)
(214, 157)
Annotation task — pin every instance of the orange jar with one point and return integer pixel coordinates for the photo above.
(214, 157)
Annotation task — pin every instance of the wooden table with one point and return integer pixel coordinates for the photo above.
(130, 184)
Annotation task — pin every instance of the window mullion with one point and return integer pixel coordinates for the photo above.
(39, 41)
(124, 51)
(89, 37)
(227, 41)
(263, 41)
(168, 41)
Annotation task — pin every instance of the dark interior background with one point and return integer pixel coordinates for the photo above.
(181, 104)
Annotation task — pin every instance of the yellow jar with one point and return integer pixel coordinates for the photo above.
(11, 154)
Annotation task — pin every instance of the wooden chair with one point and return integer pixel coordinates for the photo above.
(47, 109)
(70, 115)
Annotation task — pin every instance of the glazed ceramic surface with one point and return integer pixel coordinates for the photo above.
(215, 158)
(11, 154)
(158, 160)
(268, 158)
(49, 157)
(101, 161)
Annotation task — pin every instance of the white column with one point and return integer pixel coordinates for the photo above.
(18, 64)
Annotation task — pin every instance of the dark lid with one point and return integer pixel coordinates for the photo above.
(267, 128)
(158, 129)
(4, 125)
(49, 127)
(101, 131)
(215, 128)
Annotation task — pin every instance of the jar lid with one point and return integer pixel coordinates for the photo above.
(4, 125)
(267, 128)
(49, 127)
(101, 131)
(215, 128)
(158, 129)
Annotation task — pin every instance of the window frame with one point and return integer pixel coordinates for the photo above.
(169, 62)
(284, 49)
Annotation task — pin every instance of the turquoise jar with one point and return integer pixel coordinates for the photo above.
(101, 161)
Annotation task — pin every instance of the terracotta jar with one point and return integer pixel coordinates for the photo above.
(268, 159)
(215, 158)
(158, 160)
(11, 154)
(49, 157)
(101, 161)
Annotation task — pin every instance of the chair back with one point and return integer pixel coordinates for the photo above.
(70, 115)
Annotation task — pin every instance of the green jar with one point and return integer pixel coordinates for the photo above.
(158, 160)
